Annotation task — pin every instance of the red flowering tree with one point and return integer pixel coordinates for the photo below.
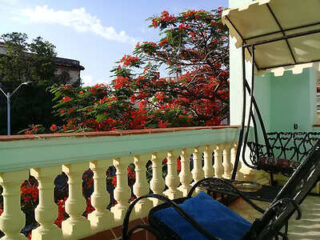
(193, 48)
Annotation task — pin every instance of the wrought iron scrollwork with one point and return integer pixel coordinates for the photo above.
(288, 149)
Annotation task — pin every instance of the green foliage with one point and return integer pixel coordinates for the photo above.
(23, 62)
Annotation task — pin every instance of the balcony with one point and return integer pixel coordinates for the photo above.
(46, 156)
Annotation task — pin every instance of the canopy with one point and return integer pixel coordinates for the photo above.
(285, 33)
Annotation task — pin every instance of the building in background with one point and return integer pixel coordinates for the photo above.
(66, 67)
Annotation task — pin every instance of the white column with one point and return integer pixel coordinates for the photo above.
(47, 211)
(208, 167)
(101, 218)
(141, 186)
(172, 179)
(12, 219)
(218, 167)
(76, 226)
(157, 184)
(185, 174)
(122, 192)
(197, 172)
(227, 165)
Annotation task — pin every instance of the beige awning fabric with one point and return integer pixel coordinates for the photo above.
(272, 20)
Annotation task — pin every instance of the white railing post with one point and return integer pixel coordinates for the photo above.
(122, 192)
(185, 174)
(218, 167)
(172, 179)
(12, 219)
(76, 226)
(208, 166)
(197, 172)
(101, 218)
(157, 184)
(227, 164)
(234, 147)
(47, 211)
(141, 186)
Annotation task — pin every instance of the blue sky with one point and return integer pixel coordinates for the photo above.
(95, 32)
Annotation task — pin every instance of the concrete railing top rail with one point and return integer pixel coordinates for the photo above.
(35, 151)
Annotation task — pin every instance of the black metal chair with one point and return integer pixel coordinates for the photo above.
(269, 226)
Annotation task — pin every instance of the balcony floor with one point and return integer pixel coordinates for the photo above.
(307, 228)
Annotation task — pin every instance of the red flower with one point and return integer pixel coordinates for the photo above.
(66, 99)
(81, 92)
(178, 164)
(160, 96)
(164, 13)
(183, 26)
(162, 124)
(128, 60)
(70, 110)
(132, 99)
(154, 23)
(27, 132)
(120, 82)
(163, 42)
(53, 128)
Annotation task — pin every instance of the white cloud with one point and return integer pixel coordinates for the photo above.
(78, 19)
(87, 81)
(8, 2)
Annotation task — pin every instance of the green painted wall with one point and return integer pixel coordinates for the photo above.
(293, 100)
(287, 100)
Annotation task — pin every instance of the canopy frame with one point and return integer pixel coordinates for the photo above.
(244, 132)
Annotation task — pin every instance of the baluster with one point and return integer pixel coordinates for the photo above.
(207, 156)
(47, 211)
(197, 172)
(122, 192)
(76, 226)
(218, 167)
(141, 186)
(227, 161)
(157, 184)
(185, 174)
(12, 219)
(101, 218)
(239, 175)
(172, 180)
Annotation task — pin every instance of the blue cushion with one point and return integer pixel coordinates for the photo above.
(216, 218)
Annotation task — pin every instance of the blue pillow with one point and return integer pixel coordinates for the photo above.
(216, 218)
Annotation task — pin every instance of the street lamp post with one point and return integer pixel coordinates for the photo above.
(8, 95)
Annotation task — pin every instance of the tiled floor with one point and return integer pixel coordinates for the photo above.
(307, 228)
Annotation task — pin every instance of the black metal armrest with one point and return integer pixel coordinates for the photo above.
(197, 226)
(230, 186)
(283, 202)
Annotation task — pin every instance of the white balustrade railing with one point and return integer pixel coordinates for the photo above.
(210, 152)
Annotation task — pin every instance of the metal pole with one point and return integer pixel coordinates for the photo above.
(8, 114)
